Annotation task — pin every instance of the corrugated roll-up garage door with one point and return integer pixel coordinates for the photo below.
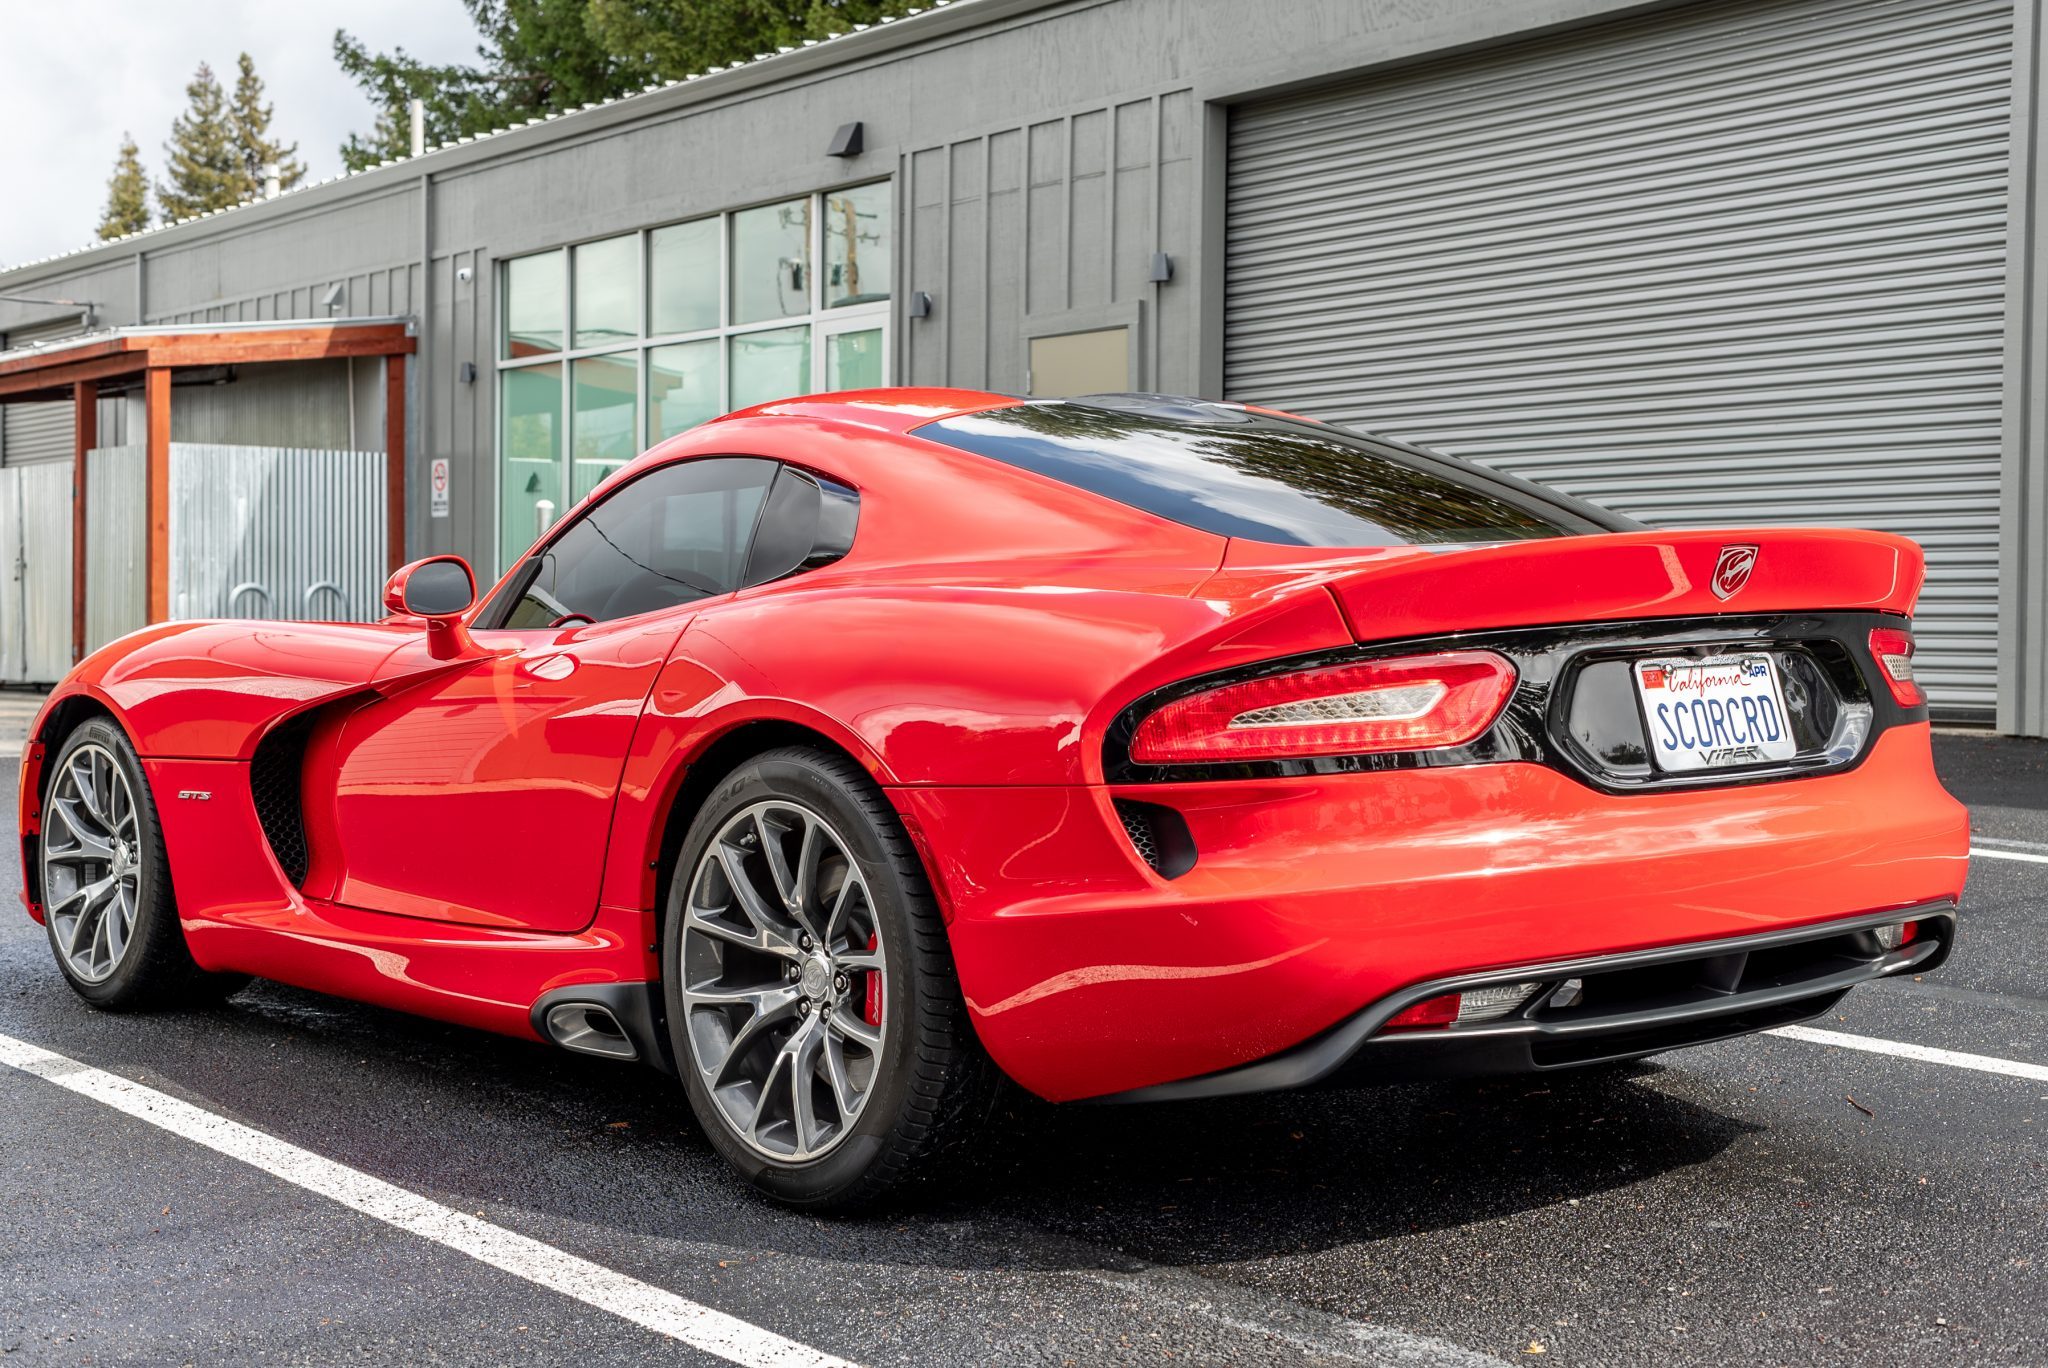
(36, 432)
(1732, 263)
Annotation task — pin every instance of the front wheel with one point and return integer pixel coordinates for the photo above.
(810, 989)
(106, 882)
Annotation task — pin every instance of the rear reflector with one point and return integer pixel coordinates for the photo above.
(1894, 651)
(1462, 1009)
(1897, 934)
(1409, 703)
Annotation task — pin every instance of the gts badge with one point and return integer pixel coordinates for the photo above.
(201, 795)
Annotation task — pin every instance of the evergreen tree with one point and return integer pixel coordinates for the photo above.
(201, 159)
(249, 116)
(665, 39)
(541, 56)
(127, 194)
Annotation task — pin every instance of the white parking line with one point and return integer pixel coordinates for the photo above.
(1955, 1059)
(2008, 855)
(665, 1313)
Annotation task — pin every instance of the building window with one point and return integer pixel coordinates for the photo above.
(610, 346)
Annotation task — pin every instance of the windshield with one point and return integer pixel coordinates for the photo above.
(1237, 473)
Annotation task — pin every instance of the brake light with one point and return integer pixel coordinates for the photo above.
(1462, 1009)
(1894, 651)
(1408, 703)
(1436, 1011)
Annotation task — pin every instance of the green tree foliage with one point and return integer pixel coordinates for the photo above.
(539, 57)
(664, 39)
(201, 159)
(249, 116)
(536, 57)
(127, 194)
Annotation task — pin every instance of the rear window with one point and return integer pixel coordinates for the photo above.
(1241, 474)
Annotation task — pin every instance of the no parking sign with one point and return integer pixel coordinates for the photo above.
(437, 481)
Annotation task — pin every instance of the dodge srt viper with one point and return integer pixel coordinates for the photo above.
(849, 754)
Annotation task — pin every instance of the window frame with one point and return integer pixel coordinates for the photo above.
(822, 322)
(492, 612)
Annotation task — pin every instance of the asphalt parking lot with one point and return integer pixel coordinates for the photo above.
(1770, 1200)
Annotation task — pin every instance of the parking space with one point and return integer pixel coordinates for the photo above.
(1768, 1200)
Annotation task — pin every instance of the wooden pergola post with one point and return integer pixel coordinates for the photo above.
(394, 458)
(156, 391)
(85, 435)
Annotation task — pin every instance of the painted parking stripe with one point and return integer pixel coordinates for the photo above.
(1989, 854)
(1956, 1059)
(663, 1312)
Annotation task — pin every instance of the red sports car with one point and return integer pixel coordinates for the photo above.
(848, 753)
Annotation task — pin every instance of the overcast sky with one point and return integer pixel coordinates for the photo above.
(76, 74)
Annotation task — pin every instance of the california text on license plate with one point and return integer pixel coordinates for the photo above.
(1716, 712)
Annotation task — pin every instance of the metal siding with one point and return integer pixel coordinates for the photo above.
(1731, 264)
(35, 573)
(1040, 227)
(116, 542)
(269, 532)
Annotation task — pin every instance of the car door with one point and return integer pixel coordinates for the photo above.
(484, 794)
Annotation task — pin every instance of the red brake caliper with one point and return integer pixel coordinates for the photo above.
(871, 1009)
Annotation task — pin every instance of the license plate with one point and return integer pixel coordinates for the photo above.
(1715, 713)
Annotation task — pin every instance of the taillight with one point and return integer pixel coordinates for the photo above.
(1894, 651)
(1462, 1009)
(1408, 703)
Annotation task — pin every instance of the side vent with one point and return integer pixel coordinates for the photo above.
(274, 781)
(1160, 836)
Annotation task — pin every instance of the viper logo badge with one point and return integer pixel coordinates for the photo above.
(1732, 570)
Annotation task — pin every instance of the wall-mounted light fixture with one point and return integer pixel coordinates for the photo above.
(331, 297)
(920, 305)
(847, 141)
(1162, 268)
(466, 372)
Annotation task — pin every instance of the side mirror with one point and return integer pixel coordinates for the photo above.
(439, 589)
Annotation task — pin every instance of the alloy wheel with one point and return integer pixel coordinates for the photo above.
(783, 977)
(92, 863)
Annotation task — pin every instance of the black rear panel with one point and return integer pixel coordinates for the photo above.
(1574, 707)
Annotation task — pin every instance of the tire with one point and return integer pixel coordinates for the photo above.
(124, 950)
(754, 1017)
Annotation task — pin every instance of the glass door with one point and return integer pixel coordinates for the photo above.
(852, 353)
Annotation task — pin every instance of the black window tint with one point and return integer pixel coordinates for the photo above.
(808, 523)
(1241, 474)
(677, 534)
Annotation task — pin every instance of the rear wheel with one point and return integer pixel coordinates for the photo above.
(106, 882)
(811, 996)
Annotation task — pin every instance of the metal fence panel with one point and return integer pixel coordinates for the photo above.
(116, 542)
(273, 532)
(35, 573)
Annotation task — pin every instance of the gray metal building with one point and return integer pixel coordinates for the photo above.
(1751, 261)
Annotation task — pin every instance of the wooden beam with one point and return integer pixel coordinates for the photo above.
(394, 458)
(84, 351)
(85, 435)
(157, 415)
(279, 344)
(228, 347)
(55, 382)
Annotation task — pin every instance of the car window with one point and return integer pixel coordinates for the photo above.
(808, 522)
(1237, 473)
(677, 534)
